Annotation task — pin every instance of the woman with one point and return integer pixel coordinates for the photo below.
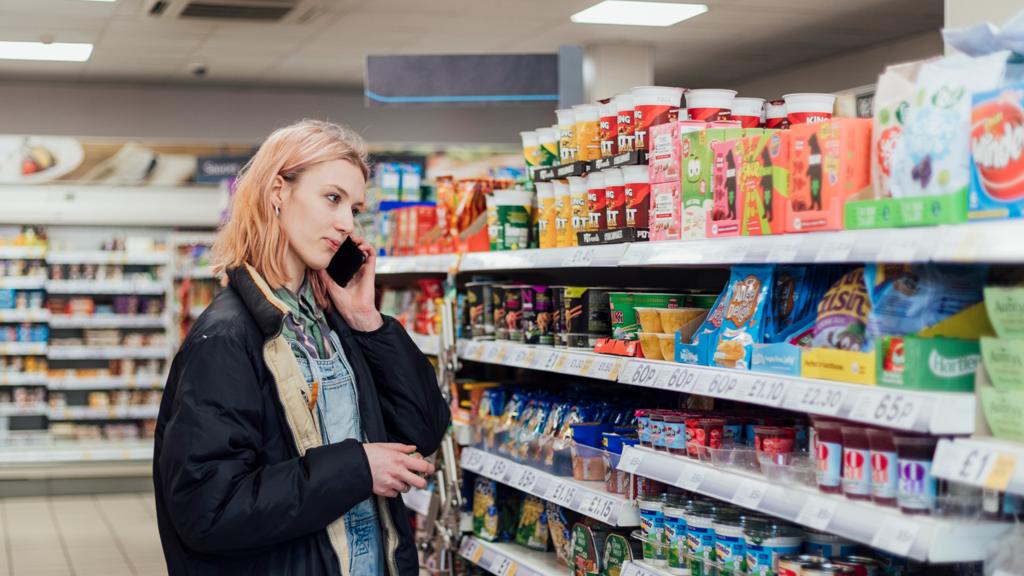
(294, 411)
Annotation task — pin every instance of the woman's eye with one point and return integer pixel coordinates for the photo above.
(333, 198)
(356, 211)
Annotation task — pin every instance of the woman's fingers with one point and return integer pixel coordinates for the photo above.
(418, 465)
(411, 479)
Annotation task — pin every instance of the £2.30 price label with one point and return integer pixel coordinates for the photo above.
(815, 399)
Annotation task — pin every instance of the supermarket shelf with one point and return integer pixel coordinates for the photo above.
(931, 412)
(21, 283)
(23, 379)
(104, 287)
(63, 452)
(109, 413)
(108, 257)
(982, 462)
(429, 345)
(108, 321)
(22, 348)
(107, 383)
(106, 352)
(922, 538)
(14, 410)
(22, 252)
(39, 315)
(510, 559)
(563, 361)
(992, 242)
(579, 257)
(431, 264)
(199, 273)
(418, 500)
(588, 498)
(640, 568)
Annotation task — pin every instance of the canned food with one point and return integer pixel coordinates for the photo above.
(481, 317)
(794, 564)
(498, 308)
(827, 569)
(587, 316)
(862, 565)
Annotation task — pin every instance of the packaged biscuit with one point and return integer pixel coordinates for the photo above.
(764, 184)
(666, 144)
(533, 524)
(700, 348)
(727, 203)
(843, 314)
(829, 163)
(560, 523)
(697, 163)
(665, 211)
(997, 154)
(744, 317)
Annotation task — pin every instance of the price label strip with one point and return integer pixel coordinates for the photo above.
(896, 535)
(631, 462)
(640, 374)
(691, 479)
(677, 379)
(817, 512)
(473, 550)
(580, 257)
(815, 399)
(890, 409)
(472, 460)
(525, 479)
(750, 494)
(766, 391)
(503, 566)
(605, 369)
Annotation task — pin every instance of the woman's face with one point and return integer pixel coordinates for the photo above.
(318, 210)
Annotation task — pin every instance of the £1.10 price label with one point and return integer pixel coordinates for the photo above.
(767, 391)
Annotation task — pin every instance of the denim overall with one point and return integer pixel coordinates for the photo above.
(337, 407)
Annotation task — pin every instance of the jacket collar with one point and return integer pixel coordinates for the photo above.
(268, 310)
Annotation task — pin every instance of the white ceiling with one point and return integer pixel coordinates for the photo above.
(736, 39)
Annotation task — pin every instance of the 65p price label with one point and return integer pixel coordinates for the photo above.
(888, 409)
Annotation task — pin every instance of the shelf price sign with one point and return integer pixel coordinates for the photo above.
(504, 566)
(815, 399)
(678, 379)
(597, 506)
(640, 374)
(473, 460)
(526, 480)
(896, 535)
(889, 409)
(750, 494)
(561, 493)
(765, 391)
(817, 512)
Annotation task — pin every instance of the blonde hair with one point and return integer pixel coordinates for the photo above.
(252, 234)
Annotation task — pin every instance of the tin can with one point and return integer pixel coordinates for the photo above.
(827, 569)
(481, 316)
(587, 316)
(513, 311)
(794, 564)
(862, 565)
(498, 307)
(536, 322)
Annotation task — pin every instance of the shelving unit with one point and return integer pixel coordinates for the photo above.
(922, 538)
(22, 252)
(105, 287)
(588, 498)
(34, 315)
(931, 412)
(107, 352)
(108, 321)
(107, 413)
(71, 452)
(509, 559)
(23, 348)
(108, 257)
(155, 382)
(23, 379)
(19, 283)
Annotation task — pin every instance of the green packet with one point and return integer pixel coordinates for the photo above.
(1004, 412)
(1005, 307)
(1004, 361)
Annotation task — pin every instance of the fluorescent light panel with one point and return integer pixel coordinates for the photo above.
(53, 52)
(629, 13)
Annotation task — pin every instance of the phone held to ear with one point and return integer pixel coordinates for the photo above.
(346, 262)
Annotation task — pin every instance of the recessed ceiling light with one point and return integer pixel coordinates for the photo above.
(52, 51)
(630, 13)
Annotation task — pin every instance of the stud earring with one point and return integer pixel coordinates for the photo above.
(277, 211)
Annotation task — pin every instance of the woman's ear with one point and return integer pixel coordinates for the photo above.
(279, 191)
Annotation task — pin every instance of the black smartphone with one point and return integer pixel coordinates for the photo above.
(346, 262)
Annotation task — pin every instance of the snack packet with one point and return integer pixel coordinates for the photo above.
(533, 524)
(843, 314)
(743, 320)
(892, 100)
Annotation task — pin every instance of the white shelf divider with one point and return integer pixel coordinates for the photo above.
(588, 498)
(150, 288)
(35, 315)
(22, 348)
(981, 462)
(107, 352)
(108, 321)
(22, 252)
(107, 383)
(21, 283)
(23, 379)
(922, 538)
(429, 264)
(579, 257)
(7, 410)
(108, 413)
(108, 257)
(931, 412)
(503, 559)
(61, 452)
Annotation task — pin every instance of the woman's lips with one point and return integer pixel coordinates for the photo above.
(334, 244)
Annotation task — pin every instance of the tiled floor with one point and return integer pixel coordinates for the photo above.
(108, 535)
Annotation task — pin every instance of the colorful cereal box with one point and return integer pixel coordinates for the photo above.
(727, 207)
(697, 163)
(765, 183)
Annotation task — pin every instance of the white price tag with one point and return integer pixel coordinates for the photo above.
(580, 257)
(781, 253)
(492, 353)
(815, 399)
(631, 461)
(498, 468)
(677, 379)
(836, 249)
(640, 374)
(817, 512)
(750, 493)
(503, 566)
(765, 390)
(605, 368)
(540, 358)
(473, 550)
(890, 409)
(472, 460)
(576, 365)
(521, 357)
(898, 252)
(721, 385)
(691, 478)
(561, 493)
(895, 535)
(526, 479)
(600, 507)
(551, 364)
(735, 253)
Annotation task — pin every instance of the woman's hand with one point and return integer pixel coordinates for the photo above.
(356, 302)
(394, 469)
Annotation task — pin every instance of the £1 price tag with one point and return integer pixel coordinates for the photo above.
(896, 535)
(817, 512)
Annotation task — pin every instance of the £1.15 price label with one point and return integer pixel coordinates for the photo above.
(600, 507)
